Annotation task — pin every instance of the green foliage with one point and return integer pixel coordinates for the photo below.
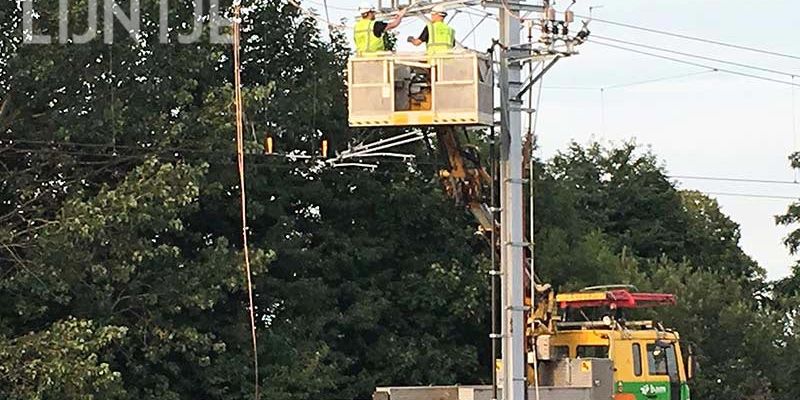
(130, 216)
(792, 215)
(712, 238)
(390, 41)
(585, 261)
(623, 197)
(61, 362)
(610, 215)
(735, 335)
(127, 256)
(386, 270)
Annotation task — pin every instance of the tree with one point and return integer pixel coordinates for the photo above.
(792, 215)
(121, 199)
(611, 215)
(712, 238)
(389, 281)
(626, 197)
(787, 297)
(119, 154)
(734, 331)
(62, 361)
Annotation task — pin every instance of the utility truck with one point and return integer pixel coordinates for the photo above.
(583, 347)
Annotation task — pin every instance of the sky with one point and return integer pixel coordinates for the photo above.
(700, 123)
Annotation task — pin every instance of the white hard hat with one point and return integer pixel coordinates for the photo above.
(439, 9)
(365, 7)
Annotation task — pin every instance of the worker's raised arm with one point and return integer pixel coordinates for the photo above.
(415, 41)
(423, 38)
(397, 19)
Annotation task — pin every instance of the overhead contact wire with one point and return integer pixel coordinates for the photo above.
(693, 38)
(678, 60)
(706, 58)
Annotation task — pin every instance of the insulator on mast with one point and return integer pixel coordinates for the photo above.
(550, 13)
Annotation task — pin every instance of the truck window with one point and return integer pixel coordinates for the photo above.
(637, 359)
(657, 365)
(592, 352)
(560, 352)
(672, 364)
(663, 364)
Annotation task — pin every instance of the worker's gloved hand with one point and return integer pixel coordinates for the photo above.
(411, 39)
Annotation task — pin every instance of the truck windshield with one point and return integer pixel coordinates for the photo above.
(662, 361)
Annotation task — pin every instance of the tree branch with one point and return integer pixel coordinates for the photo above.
(5, 106)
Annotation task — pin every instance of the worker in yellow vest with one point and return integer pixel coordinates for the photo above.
(438, 36)
(369, 33)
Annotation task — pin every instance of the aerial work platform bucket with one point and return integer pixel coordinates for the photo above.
(393, 89)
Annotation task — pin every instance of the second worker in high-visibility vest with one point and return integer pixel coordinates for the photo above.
(438, 36)
(369, 33)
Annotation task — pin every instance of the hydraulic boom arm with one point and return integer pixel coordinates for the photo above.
(465, 178)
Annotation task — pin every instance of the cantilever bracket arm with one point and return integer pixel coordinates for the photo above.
(533, 81)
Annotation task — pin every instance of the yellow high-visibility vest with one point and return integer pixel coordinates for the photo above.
(441, 38)
(365, 39)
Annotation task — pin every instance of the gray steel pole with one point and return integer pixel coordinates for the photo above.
(511, 217)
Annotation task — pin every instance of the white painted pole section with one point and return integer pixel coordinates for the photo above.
(511, 217)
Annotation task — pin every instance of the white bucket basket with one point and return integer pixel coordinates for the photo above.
(460, 83)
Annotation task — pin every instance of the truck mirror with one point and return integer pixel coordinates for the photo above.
(691, 363)
(690, 367)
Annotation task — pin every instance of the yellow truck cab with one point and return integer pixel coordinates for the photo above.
(648, 361)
